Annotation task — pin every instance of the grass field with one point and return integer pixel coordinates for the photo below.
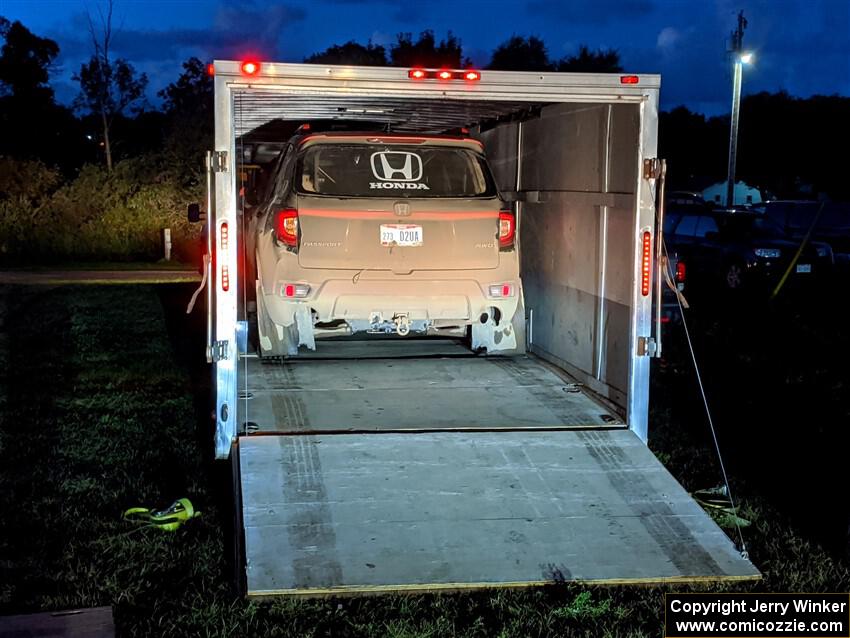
(102, 408)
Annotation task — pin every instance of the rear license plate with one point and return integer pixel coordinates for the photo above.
(401, 235)
(804, 268)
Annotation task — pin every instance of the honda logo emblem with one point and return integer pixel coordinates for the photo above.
(397, 166)
(401, 209)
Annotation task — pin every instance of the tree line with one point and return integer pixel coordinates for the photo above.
(786, 144)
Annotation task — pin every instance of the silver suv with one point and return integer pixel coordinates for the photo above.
(385, 233)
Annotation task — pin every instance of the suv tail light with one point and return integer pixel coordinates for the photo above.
(286, 227)
(507, 229)
(681, 271)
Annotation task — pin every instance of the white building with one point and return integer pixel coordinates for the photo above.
(744, 194)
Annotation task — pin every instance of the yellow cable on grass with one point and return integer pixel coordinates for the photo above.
(168, 520)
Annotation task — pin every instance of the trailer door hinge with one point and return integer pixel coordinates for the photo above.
(646, 347)
(652, 168)
(218, 161)
(217, 351)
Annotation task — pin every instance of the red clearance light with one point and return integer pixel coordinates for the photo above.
(629, 79)
(250, 68)
(472, 76)
(416, 74)
(681, 271)
(646, 262)
(289, 290)
(211, 69)
(507, 229)
(225, 236)
(225, 278)
(445, 75)
(286, 227)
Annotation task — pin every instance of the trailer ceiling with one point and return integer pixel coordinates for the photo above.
(255, 109)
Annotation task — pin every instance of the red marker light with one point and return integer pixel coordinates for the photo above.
(629, 79)
(211, 69)
(225, 236)
(445, 75)
(646, 263)
(472, 76)
(681, 272)
(250, 68)
(416, 74)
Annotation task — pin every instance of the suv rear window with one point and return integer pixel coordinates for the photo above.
(361, 170)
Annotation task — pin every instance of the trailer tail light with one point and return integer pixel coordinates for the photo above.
(295, 291)
(445, 75)
(286, 227)
(681, 271)
(500, 290)
(224, 236)
(250, 67)
(507, 229)
(224, 244)
(416, 74)
(629, 79)
(472, 76)
(646, 263)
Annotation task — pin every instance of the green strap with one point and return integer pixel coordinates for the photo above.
(169, 519)
(716, 499)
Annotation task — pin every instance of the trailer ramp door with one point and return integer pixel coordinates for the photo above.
(390, 512)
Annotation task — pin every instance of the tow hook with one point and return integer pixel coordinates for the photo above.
(402, 325)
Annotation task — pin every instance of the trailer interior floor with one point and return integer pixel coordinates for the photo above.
(439, 388)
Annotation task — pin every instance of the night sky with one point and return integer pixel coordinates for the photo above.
(802, 46)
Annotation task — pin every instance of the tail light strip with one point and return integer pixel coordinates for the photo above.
(646, 264)
(224, 246)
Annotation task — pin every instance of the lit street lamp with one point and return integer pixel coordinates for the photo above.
(740, 60)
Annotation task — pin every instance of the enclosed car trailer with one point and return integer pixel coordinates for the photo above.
(404, 465)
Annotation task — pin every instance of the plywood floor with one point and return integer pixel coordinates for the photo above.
(422, 393)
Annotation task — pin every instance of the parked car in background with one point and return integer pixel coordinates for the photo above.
(796, 218)
(738, 250)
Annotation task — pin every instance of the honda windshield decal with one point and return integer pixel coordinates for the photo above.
(397, 170)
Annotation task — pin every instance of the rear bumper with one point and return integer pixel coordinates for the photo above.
(436, 300)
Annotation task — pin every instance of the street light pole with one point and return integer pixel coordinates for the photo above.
(733, 132)
(739, 59)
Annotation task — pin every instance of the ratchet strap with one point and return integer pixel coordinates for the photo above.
(201, 285)
(717, 499)
(169, 519)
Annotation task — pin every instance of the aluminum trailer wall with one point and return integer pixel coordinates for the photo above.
(574, 173)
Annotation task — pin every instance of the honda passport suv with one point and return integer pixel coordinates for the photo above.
(385, 234)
